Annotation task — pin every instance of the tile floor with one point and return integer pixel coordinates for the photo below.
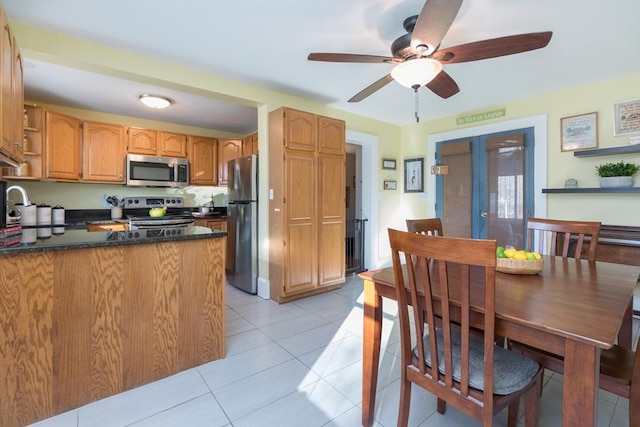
(298, 365)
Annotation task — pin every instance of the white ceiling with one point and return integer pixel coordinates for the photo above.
(265, 43)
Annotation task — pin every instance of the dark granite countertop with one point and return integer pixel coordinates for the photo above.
(36, 239)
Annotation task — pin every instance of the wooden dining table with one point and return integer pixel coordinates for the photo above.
(574, 308)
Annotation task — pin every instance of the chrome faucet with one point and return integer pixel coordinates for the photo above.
(25, 199)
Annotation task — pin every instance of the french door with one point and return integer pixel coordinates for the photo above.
(484, 186)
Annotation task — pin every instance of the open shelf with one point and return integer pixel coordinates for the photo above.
(592, 190)
(625, 149)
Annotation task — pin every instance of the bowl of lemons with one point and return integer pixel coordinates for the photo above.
(513, 261)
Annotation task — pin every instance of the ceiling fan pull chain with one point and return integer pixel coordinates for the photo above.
(417, 102)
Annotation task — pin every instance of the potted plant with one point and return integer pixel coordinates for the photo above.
(616, 174)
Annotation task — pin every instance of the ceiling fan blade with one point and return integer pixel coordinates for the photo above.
(372, 88)
(433, 23)
(443, 85)
(349, 57)
(493, 48)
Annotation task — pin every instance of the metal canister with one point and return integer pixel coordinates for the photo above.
(43, 214)
(57, 215)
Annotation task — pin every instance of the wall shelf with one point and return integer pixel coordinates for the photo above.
(592, 190)
(625, 149)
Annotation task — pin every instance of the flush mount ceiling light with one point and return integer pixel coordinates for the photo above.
(416, 72)
(155, 101)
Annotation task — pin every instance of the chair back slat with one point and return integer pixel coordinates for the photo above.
(563, 236)
(430, 226)
(442, 267)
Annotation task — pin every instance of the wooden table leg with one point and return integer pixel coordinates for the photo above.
(581, 382)
(372, 333)
(625, 335)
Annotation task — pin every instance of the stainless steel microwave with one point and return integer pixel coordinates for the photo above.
(152, 171)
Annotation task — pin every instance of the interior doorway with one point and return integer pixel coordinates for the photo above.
(367, 192)
(354, 223)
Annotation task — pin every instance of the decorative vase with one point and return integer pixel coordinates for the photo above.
(616, 181)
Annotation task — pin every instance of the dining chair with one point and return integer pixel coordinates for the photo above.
(619, 372)
(563, 238)
(432, 226)
(449, 361)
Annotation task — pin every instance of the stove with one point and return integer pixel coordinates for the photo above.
(136, 210)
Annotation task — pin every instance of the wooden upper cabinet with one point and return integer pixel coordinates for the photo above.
(103, 152)
(250, 144)
(63, 147)
(156, 143)
(11, 94)
(300, 130)
(228, 149)
(331, 136)
(172, 144)
(142, 141)
(203, 160)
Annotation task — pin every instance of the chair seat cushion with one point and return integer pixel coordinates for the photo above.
(511, 372)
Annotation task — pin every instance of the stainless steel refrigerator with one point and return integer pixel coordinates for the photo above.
(242, 224)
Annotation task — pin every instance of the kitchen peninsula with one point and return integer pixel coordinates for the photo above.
(86, 315)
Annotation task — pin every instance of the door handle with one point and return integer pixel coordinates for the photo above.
(483, 214)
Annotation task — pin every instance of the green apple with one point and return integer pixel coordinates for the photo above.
(157, 212)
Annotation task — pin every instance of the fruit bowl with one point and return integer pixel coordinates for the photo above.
(517, 266)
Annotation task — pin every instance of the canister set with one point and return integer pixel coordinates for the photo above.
(40, 216)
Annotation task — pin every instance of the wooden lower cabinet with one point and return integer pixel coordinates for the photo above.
(79, 325)
(219, 224)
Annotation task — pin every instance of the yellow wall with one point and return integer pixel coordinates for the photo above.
(615, 208)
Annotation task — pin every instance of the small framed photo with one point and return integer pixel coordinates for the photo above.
(390, 185)
(414, 175)
(579, 132)
(389, 164)
(626, 117)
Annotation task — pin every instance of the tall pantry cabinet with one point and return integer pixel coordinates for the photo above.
(307, 210)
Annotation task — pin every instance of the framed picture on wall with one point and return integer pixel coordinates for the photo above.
(626, 117)
(579, 132)
(389, 164)
(390, 185)
(414, 175)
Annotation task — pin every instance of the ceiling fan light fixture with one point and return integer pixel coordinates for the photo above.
(155, 101)
(416, 72)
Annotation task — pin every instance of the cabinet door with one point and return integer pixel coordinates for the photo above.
(8, 122)
(142, 141)
(18, 100)
(300, 245)
(172, 144)
(203, 160)
(62, 151)
(102, 152)
(331, 213)
(217, 224)
(300, 130)
(331, 136)
(228, 149)
(250, 144)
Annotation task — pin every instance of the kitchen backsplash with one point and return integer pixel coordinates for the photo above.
(90, 196)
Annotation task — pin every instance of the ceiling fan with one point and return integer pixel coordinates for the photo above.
(418, 58)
